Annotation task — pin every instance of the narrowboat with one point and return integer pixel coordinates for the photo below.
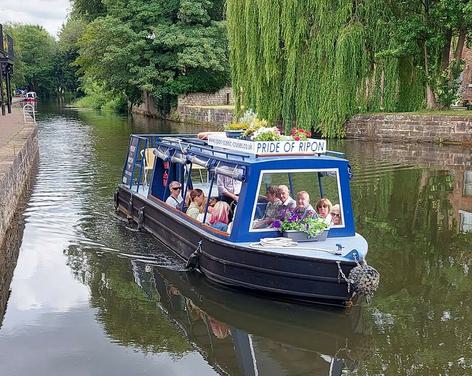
(243, 253)
(30, 97)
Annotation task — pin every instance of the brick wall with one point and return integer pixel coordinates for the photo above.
(452, 129)
(221, 97)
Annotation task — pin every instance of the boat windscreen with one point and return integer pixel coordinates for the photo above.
(315, 193)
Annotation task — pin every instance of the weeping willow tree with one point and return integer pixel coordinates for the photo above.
(317, 62)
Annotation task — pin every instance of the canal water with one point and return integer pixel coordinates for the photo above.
(90, 295)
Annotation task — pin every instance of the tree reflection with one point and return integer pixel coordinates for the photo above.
(422, 309)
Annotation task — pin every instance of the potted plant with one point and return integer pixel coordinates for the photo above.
(239, 127)
(235, 130)
(300, 228)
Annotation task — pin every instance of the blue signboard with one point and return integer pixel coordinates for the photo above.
(130, 162)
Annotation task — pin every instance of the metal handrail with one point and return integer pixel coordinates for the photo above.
(29, 113)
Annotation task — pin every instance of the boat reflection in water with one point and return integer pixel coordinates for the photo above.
(240, 334)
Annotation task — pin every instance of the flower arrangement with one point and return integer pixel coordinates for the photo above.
(236, 126)
(292, 220)
(255, 129)
(248, 121)
(254, 126)
(299, 134)
(248, 117)
(266, 134)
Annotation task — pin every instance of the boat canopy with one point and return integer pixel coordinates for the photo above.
(178, 157)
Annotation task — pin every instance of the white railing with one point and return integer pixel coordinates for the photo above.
(29, 114)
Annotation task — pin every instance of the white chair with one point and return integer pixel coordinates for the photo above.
(199, 169)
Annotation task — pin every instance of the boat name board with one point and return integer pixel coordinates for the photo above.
(310, 146)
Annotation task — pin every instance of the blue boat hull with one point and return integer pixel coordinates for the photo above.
(281, 276)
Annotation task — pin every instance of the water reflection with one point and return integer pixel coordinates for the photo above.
(8, 256)
(10, 248)
(236, 333)
(90, 294)
(408, 202)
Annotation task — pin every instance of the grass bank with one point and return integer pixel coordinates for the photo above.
(102, 101)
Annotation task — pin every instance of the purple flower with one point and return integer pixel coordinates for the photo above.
(293, 218)
(276, 224)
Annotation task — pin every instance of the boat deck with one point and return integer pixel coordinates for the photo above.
(327, 249)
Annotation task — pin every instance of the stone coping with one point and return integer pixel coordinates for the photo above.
(432, 128)
(413, 116)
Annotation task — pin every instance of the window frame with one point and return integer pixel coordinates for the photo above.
(291, 171)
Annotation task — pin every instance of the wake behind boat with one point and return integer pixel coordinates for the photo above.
(239, 196)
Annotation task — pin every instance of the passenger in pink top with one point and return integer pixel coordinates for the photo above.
(219, 218)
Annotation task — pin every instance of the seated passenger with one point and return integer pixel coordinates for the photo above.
(219, 217)
(336, 219)
(175, 198)
(304, 209)
(283, 194)
(197, 203)
(271, 210)
(323, 209)
(211, 203)
(287, 204)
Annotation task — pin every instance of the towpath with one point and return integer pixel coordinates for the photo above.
(10, 126)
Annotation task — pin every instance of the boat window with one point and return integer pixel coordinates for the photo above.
(202, 202)
(319, 191)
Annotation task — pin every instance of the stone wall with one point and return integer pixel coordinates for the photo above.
(202, 115)
(220, 98)
(147, 108)
(17, 159)
(453, 129)
(191, 107)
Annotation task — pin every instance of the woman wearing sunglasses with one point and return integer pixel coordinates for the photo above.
(323, 209)
(336, 215)
(175, 198)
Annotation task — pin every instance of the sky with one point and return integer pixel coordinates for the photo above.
(50, 14)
